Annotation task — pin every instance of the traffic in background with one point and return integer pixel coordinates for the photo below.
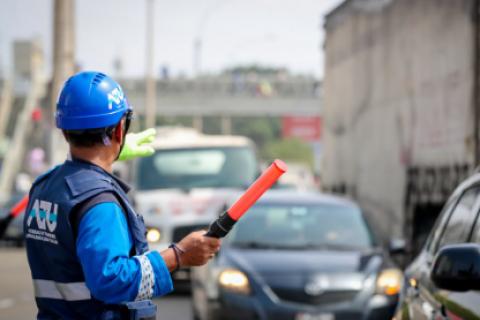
(386, 119)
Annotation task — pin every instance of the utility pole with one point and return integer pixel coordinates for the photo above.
(63, 67)
(150, 83)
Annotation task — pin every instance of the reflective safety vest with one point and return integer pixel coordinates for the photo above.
(59, 283)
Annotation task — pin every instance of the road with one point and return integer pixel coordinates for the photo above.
(16, 293)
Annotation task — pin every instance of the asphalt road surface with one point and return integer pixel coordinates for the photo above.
(16, 293)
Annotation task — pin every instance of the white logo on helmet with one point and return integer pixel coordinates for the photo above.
(115, 96)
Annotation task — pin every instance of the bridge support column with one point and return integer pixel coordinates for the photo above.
(198, 123)
(226, 123)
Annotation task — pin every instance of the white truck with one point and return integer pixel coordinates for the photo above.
(401, 107)
(188, 181)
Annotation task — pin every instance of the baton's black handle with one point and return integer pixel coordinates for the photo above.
(221, 227)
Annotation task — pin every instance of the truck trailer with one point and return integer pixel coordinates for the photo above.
(401, 108)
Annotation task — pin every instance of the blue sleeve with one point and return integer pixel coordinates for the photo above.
(103, 246)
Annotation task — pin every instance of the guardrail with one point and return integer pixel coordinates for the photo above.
(301, 88)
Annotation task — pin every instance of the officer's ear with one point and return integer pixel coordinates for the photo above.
(118, 132)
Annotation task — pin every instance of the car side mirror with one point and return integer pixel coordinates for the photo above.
(457, 268)
(397, 246)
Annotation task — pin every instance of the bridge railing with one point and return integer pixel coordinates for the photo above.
(303, 88)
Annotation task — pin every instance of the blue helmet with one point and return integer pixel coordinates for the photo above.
(90, 100)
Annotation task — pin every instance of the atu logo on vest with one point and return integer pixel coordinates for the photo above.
(45, 216)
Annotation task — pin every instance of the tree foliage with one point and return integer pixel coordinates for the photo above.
(291, 149)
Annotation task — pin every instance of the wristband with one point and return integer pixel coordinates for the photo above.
(177, 251)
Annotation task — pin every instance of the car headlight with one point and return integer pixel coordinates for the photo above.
(234, 280)
(389, 282)
(153, 235)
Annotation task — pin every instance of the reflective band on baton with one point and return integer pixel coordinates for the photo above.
(73, 291)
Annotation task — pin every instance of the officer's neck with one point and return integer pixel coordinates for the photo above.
(100, 156)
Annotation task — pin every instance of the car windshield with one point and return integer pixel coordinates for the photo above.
(329, 227)
(226, 167)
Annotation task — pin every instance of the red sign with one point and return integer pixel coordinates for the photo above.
(305, 128)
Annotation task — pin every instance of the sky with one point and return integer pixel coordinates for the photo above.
(278, 33)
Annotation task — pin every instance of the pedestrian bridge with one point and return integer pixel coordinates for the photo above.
(229, 97)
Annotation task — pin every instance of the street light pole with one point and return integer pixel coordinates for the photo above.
(198, 40)
(150, 85)
(197, 121)
(197, 52)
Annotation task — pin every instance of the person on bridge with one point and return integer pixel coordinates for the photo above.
(86, 245)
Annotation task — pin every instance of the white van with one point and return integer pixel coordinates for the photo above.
(189, 180)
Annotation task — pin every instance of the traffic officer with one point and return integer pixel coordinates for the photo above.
(85, 244)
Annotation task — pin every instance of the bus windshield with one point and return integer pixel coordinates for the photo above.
(215, 167)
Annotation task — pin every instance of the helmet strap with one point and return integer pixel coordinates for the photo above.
(121, 147)
(123, 142)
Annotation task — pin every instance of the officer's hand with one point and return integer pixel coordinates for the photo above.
(138, 145)
(198, 249)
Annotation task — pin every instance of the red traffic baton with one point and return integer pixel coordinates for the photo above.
(14, 212)
(19, 206)
(220, 227)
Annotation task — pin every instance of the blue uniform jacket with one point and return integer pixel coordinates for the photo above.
(107, 262)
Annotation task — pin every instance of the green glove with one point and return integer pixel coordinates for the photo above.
(138, 145)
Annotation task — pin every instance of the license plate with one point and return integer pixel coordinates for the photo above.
(312, 316)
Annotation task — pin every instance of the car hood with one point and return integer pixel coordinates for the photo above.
(344, 270)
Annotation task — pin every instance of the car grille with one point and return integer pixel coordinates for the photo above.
(329, 297)
(180, 232)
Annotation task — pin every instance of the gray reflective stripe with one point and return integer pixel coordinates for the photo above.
(72, 291)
